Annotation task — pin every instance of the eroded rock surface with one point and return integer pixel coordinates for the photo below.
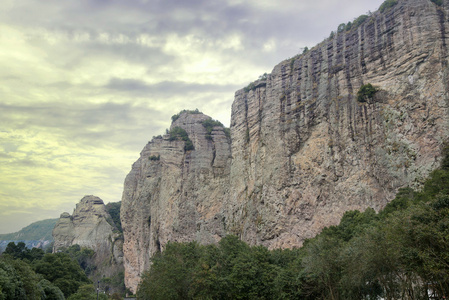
(92, 227)
(304, 150)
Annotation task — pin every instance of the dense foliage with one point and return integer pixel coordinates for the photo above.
(401, 252)
(32, 274)
(177, 133)
(193, 112)
(113, 208)
(366, 92)
(387, 4)
(437, 2)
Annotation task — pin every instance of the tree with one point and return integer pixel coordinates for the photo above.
(62, 271)
(19, 251)
(50, 291)
(171, 273)
(87, 292)
(17, 280)
(366, 92)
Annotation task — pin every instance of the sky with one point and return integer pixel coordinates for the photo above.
(86, 84)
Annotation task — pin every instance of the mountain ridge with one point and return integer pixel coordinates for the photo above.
(39, 230)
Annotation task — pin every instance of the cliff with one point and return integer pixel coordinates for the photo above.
(304, 150)
(174, 194)
(91, 226)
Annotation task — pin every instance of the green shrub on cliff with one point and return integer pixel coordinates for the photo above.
(387, 4)
(177, 133)
(437, 2)
(192, 112)
(366, 92)
(209, 125)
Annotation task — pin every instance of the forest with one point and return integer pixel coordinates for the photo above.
(33, 274)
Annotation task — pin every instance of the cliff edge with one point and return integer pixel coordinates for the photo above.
(305, 146)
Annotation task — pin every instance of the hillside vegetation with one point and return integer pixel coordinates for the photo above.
(40, 230)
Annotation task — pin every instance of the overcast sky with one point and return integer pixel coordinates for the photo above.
(86, 84)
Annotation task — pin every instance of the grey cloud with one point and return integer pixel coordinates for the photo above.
(166, 87)
(122, 125)
(210, 20)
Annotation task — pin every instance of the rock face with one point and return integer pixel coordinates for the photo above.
(92, 227)
(304, 150)
(175, 195)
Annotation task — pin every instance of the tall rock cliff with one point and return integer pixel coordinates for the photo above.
(91, 226)
(304, 150)
(310, 151)
(175, 193)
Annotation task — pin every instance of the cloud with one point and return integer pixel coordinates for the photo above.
(85, 84)
(166, 87)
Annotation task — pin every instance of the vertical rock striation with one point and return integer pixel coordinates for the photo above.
(175, 195)
(304, 149)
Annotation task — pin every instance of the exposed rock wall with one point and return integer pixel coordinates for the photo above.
(92, 227)
(176, 195)
(309, 151)
(304, 150)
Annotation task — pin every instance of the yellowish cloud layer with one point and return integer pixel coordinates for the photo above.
(85, 84)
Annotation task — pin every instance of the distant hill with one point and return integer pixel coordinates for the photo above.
(37, 231)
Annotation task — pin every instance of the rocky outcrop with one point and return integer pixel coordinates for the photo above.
(175, 195)
(304, 149)
(91, 226)
(311, 151)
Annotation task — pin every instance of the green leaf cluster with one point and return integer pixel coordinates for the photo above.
(437, 2)
(366, 92)
(209, 125)
(192, 112)
(177, 133)
(154, 157)
(113, 208)
(387, 4)
(229, 270)
(31, 274)
(253, 85)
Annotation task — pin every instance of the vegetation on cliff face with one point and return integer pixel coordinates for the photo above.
(193, 112)
(209, 125)
(399, 253)
(387, 4)
(177, 133)
(366, 92)
(113, 208)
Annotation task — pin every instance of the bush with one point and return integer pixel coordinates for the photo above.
(366, 92)
(359, 20)
(209, 124)
(387, 4)
(177, 133)
(437, 2)
(154, 157)
(192, 112)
